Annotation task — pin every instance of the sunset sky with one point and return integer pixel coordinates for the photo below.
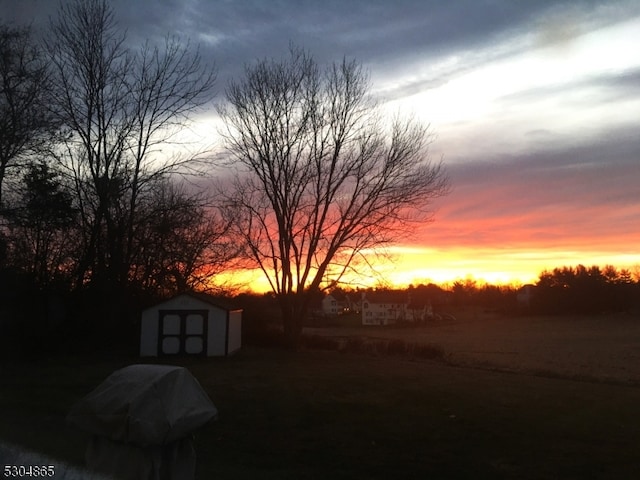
(536, 107)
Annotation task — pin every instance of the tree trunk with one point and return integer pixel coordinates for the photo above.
(3, 169)
(293, 313)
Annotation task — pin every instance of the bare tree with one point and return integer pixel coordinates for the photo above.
(119, 106)
(181, 243)
(320, 180)
(25, 124)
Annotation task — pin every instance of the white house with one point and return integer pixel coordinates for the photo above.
(331, 306)
(339, 303)
(383, 308)
(190, 323)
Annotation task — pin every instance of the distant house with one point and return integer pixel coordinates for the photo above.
(384, 307)
(416, 304)
(339, 303)
(352, 302)
(525, 294)
(192, 324)
(331, 306)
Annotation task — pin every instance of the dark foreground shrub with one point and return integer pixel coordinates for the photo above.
(375, 347)
(426, 351)
(395, 347)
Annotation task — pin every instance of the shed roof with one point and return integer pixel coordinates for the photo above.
(221, 303)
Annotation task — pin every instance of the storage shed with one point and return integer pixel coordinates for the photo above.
(193, 324)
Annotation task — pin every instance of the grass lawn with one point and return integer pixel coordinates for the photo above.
(315, 414)
(598, 347)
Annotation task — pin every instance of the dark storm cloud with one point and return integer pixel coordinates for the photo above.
(379, 33)
(386, 36)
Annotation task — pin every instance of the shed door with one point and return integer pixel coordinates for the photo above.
(182, 332)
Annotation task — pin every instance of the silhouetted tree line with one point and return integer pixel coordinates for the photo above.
(490, 297)
(563, 290)
(588, 290)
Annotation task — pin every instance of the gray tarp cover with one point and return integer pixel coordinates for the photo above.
(141, 418)
(144, 405)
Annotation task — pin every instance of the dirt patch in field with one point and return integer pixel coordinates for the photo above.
(605, 348)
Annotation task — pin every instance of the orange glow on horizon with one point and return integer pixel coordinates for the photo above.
(406, 265)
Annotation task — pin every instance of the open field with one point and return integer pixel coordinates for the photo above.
(315, 414)
(601, 348)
